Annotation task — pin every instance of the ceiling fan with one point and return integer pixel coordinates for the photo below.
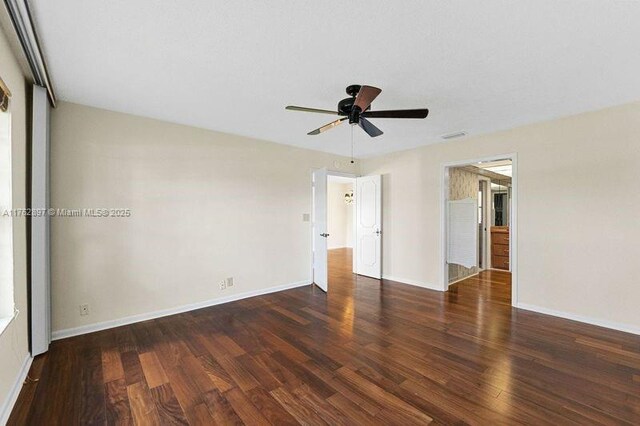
(357, 110)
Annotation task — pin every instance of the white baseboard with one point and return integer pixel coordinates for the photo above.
(76, 331)
(8, 404)
(627, 328)
(411, 282)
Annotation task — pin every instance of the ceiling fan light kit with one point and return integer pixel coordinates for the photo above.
(357, 109)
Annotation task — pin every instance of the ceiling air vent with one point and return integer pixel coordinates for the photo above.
(454, 135)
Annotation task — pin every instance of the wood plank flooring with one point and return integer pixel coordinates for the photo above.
(366, 353)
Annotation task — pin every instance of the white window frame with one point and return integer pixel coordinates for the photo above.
(7, 301)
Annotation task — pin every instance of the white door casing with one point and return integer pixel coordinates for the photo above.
(369, 226)
(320, 274)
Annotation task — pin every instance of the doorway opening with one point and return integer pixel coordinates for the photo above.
(479, 200)
(356, 219)
(340, 224)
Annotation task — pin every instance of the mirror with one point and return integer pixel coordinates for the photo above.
(501, 197)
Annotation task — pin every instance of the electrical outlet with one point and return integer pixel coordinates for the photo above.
(223, 284)
(84, 309)
(229, 282)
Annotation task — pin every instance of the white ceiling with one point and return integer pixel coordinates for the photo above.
(232, 66)
(501, 170)
(502, 167)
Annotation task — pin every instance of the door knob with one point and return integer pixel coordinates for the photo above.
(324, 235)
(378, 232)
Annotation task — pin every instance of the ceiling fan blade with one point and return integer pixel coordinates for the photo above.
(397, 113)
(366, 95)
(368, 127)
(305, 109)
(327, 127)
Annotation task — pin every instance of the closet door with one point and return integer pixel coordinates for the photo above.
(40, 267)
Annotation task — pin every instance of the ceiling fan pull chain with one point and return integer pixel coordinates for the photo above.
(352, 145)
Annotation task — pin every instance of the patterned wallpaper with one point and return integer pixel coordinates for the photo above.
(462, 184)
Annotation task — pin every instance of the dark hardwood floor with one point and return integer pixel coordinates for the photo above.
(368, 353)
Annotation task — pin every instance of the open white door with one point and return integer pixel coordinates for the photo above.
(320, 275)
(369, 226)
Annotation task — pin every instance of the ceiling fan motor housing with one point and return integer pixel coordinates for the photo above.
(346, 107)
(354, 115)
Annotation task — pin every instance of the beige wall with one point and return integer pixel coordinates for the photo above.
(204, 206)
(339, 216)
(578, 196)
(14, 340)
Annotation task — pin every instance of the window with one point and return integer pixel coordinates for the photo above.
(6, 221)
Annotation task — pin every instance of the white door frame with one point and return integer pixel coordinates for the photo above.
(513, 225)
(329, 173)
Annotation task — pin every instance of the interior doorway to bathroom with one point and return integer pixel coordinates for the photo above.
(479, 216)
